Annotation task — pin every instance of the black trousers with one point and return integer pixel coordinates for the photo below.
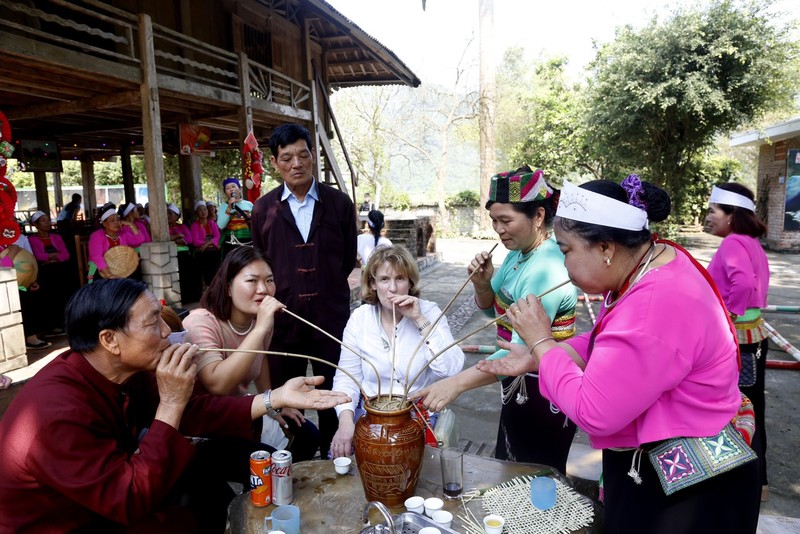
(534, 431)
(282, 368)
(756, 395)
(726, 503)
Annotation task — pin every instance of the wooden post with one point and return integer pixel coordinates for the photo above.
(42, 202)
(127, 173)
(151, 126)
(58, 194)
(246, 109)
(87, 178)
(316, 124)
(191, 189)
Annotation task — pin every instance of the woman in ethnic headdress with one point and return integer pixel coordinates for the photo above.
(654, 384)
(741, 272)
(532, 429)
(234, 222)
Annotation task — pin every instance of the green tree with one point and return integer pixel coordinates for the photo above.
(660, 96)
(551, 136)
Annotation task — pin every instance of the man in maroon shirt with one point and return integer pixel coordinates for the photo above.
(96, 439)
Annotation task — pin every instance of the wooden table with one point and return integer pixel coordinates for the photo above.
(332, 503)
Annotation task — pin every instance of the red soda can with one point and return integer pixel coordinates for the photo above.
(260, 478)
(282, 478)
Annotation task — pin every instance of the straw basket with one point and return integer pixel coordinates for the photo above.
(121, 260)
(26, 266)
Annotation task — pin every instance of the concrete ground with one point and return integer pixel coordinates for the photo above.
(478, 410)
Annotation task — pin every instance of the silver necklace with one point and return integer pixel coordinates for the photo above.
(508, 392)
(249, 328)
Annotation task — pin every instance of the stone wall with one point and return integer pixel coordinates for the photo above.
(771, 170)
(159, 261)
(12, 336)
(416, 234)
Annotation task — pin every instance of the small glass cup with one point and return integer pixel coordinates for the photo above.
(452, 459)
(543, 492)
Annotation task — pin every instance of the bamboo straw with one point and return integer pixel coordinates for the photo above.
(292, 354)
(345, 345)
(493, 321)
(436, 322)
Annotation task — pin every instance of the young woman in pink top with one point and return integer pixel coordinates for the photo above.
(205, 236)
(237, 311)
(660, 365)
(741, 271)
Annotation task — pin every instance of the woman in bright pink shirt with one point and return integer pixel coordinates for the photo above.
(107, 236)
(131, 226)
(659, 365)
(205, 236)
(741, 271)
(47, 247)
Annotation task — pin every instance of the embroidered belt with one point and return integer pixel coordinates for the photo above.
(683, 462)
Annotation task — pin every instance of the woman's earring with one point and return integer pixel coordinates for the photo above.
(608, 262)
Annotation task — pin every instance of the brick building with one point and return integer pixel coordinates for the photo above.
(774, 143)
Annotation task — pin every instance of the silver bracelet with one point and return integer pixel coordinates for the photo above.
(540, 342)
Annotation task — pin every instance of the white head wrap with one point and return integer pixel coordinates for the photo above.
(199, 203)
(587, 206)
(128, 209)
(729, 198)
(174, 209)
(36, 216)
(108, 213)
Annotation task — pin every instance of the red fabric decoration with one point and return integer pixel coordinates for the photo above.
(9, 230)
(5, 128)
(8, 188)
(252, 168)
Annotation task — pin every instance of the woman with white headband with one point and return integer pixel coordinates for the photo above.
(654, 384)
(107, 236)
(132, 226)
(741, 272)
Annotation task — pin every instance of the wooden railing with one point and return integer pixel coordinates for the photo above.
(105, 32)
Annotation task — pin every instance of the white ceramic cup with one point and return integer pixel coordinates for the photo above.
(429, 530)
(415, 504)
(493, 524)
(434, 504)
(342, 464)
(276, 532)
(443, 518)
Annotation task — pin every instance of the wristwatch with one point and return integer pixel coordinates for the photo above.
(268, 404)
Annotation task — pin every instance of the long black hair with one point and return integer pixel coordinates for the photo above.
(376, 218)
